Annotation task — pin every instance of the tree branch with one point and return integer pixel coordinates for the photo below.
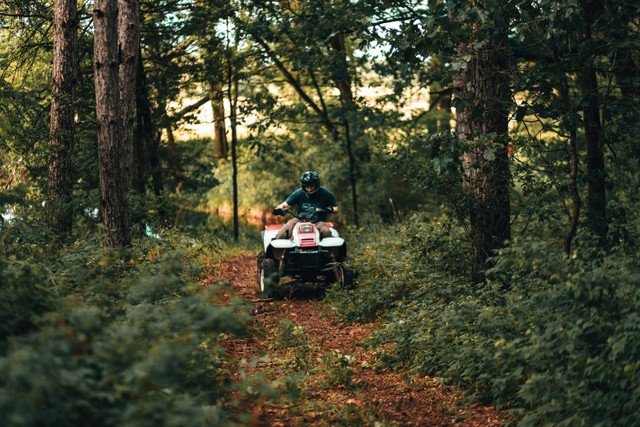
(294, 83)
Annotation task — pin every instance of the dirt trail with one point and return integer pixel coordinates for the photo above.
(344, 384)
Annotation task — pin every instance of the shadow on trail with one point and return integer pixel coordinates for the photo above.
(304, 291)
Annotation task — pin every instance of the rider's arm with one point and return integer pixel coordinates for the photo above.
(331, 202)
(290, 201)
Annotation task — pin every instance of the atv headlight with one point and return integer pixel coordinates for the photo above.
(306, 228)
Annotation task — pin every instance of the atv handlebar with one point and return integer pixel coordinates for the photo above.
(304, 216)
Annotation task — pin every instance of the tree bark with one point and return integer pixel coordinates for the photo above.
(627, 71)
(62, 125)
(343, 82)
(576, 202)
(143, 131)
(233, 103)
(484, 87)
(216, 95)
(573, 212)
(128, 43)
(596, 173)
(112, 152)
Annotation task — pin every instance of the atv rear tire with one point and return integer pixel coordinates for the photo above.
(348, 278)
(268, 278)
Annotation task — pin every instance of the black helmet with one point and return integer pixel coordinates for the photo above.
(310, 179)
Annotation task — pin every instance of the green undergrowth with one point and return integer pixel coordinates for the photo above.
(555, 340)
(306, 375)
(93, 336)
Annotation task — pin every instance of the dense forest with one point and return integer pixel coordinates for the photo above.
(483, 154)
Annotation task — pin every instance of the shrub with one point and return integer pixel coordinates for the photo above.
(24, 297)
(92, 336)
(553, 338)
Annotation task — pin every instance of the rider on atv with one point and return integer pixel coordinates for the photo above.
(311, 199)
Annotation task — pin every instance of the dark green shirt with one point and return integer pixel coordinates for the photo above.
(308, 203)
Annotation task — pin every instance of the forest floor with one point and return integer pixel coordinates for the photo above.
(330, 376)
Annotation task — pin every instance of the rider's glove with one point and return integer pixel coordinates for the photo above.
(328, 210)
(278, 212)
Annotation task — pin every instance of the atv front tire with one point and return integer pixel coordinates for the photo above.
(268, 278)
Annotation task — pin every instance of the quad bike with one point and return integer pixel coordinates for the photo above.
(304, 257)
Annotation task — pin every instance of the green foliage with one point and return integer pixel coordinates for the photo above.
(294, 340)
(23, 133)
(339, 368)
(384, 258)
(266, 188)
(551, 337)
(198, 162)
(579, 325)
(102, 337)
(24, 297)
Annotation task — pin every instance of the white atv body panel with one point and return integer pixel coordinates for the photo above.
(269, 238)
(331, 242)
(282, 243)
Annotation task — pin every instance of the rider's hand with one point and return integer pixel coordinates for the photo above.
(278, 212)
(328, 210)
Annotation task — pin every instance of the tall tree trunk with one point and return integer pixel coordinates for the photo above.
(484, 85)
(573, 212)
(216, 94)
(112, 152)
(143, 131)
(129, 49)
(173, 158)
(154, 129)
(233, 98)
(155, 165)
(232, 91)
(596, 173)
(343, 82)
(576, 202)
(62, 127)
(146, 160)
(627, 73)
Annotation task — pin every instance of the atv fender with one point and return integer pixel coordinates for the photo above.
(282, 243)
(336, 247)
(277, 248)
(331, 242)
